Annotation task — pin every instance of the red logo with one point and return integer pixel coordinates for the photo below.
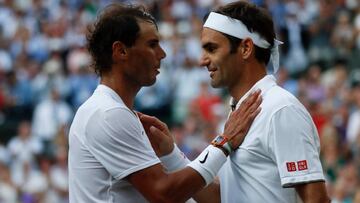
(302, 165)
(291, 166)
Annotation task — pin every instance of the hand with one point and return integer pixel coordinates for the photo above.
(239, 122)
(158, 133)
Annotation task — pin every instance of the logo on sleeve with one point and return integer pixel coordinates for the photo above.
(206, 156)
(302, 165)
(291, 166)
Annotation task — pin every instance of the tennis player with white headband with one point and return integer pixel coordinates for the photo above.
(278, 161)
(236, 28)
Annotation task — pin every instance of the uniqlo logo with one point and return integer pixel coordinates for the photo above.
(302, 165)
(291, 166)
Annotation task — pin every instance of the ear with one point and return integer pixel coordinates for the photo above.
(246, 48)
(119, 51)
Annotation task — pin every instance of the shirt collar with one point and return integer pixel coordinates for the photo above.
(108, 90)
(264, 84)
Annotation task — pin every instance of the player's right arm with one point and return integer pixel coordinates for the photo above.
(156, 185)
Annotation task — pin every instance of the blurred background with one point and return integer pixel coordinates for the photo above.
(45, 76)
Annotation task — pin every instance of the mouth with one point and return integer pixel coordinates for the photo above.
(157, 69)
(212, 72)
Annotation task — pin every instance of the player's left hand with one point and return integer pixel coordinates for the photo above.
(158, 133)
(241, 119)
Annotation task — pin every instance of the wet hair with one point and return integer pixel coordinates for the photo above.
(115, 22)
(256, 19)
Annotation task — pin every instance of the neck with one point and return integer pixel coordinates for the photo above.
(122, 87)
(251, 75)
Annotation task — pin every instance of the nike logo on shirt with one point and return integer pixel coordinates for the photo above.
(206, 156)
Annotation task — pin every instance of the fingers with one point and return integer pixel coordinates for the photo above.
(139, 114)
(240, 120)
(155, 131)
(250, 104)
(254, 106)
(152, 121)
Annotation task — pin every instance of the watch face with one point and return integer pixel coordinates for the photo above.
(219, 139)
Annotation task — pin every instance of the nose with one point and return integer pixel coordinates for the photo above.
(204, 60)
(162, 53)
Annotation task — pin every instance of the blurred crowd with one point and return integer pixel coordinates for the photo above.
(45, 75)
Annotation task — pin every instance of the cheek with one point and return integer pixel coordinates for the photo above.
(146, 58)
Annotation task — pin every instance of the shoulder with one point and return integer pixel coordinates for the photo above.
(278, 98)
(102, 114)
(281, 106)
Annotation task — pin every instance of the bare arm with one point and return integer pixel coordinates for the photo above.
(158, 186)
(313, 192)
(209, 194)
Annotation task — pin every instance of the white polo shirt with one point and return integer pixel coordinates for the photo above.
(107, 143)
(281, 149)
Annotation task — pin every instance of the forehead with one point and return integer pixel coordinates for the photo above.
(209, 35)
(147, 31)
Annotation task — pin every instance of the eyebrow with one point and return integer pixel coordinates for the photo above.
(153, 41)
(207, 45)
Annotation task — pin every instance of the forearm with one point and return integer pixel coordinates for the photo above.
(207, 166)
(176, 161)
(158, 186)
(209, 194)
(182, 189)
(313, 192)
(181, 185)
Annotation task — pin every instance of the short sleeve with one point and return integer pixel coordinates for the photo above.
(117, 140)
(294, 146)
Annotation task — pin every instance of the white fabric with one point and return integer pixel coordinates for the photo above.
(55, 114)
(24, 150)
(208, 163)
(353, 127)
(174, 161)
(283, 132)
(8, 193)
(236, 28)
(107, 143)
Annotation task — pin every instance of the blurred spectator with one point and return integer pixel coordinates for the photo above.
(353, 128)
(51, 77)
(82, 80)
(8, 191)
(357, 196)
(204, 103)
(55, 113)
(18, 97)
(24, 147)
(187, 86)
(156, 99)
(296, 39)
(32, 184)
(59, 176)
(286, 82)
(320, 30)
(4, 154)
(342, 35)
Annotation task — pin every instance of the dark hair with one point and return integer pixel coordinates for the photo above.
(115, 22)
(256, 19)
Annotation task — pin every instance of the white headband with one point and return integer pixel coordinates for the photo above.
(237, 29)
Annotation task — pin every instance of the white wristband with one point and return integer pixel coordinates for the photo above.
(174, 161)
(208, 163)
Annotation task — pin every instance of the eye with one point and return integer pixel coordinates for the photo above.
(154, 43)
(210, 48)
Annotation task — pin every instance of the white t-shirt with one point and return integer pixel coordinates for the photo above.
(281, 149)
(107, 143)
